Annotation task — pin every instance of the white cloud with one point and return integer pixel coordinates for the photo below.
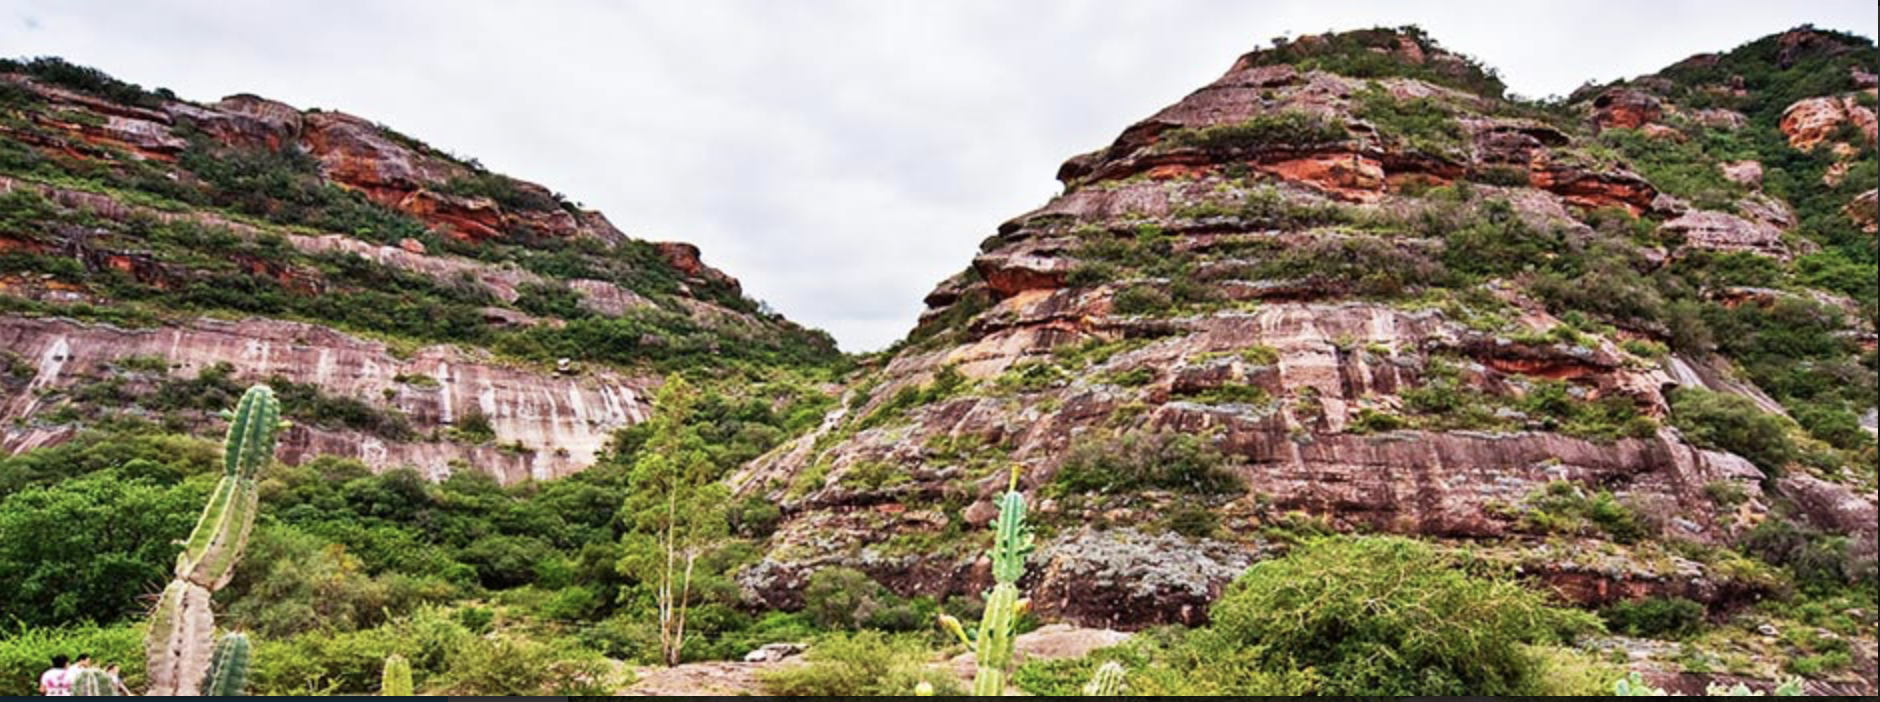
(839, 156)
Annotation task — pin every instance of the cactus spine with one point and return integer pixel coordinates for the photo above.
(178, 647)
(228, 668)
(396, 680)
(92, 682)
(1108, 682)
(992, 642)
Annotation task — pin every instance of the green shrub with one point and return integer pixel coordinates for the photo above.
(26, 652)
(1366, 53)
(1144, 300)
(865, 664)
(841, 598)
(1422, 124)
(1137, 461)
(1288, 129)
(1735, 424)
(510, 666)
(1672, 618)
(1389, 616)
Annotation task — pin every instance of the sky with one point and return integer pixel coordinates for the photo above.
(840, 157)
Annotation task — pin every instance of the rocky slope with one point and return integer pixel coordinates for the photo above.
(437, 315)
(1348, 286)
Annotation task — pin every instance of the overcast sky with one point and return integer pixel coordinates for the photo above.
(840, 157)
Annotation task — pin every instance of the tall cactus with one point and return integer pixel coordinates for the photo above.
(92, 682)
(396, 680)
(992, 642)
(228, 667)
(182, 628)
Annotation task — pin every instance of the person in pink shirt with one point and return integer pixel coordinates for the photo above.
(56, 681)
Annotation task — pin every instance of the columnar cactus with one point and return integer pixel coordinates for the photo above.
(182, 629)
(992, 642)
(1108, 682)
(396, 680)
(228, 668)
(91, 682)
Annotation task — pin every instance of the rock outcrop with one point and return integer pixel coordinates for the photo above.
(1814, 121)
(545, 425)
(1225, 270)
(153, 219)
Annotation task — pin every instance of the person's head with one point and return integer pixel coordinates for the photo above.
(84, 660)
(59, 661)
(112, 669)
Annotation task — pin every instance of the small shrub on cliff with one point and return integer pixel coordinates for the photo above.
(1673, 618)
(1143, 461)
(840, 598)
(1734, 424)
(1290, 129)
(1388, 616)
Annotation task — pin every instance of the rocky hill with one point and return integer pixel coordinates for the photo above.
(1349, 286)
(158, 254)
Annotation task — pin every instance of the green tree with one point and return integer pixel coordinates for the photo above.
(676, 514)
(86, 549)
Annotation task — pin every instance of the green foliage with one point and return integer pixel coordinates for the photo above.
(1146, 300)
(53, 70)
(86, 549)
(676, 516)
(1735, 424)
(507, 192)
(1367, 53)
(26, 651)
(1672, 618)
(1229, 394)
(285, 186)
(1282, 130)
(865, 664)
(1421, 124)
(1568, 508)
(1688, 168)
(841, 598)
(1820, 562)
(1387, 616)
(1137, 461)
(518, 667)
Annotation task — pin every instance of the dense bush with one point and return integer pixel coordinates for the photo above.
(1367, 54)
(840, 598)
(86, 550)
(866, 664)
(27, 652)
(1138, 461)
(1735, 424)
(1387, 616)
(1673, 618)
(85, 79)
(1283, 130)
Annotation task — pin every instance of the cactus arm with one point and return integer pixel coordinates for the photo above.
(178, 645)
(92, 682)
(228, 670)
(396, 680)
(992, 641)
(1108, 682)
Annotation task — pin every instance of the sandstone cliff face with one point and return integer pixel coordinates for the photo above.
(148, 219)
(1240, 267)
(546, 426)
